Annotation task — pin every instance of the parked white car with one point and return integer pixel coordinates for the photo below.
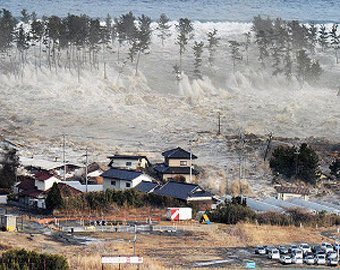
(336, 246)
(297, 253)
(286, 259)
(274, 254)
(260, 250)
(309, 259)
(332, 254)
(332, 261)
(305, 248)
(327, 247)
(297, 260)
(320, 259)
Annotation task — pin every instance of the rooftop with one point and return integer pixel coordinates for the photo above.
(182, 191)
(120, 174)
(146, 186)
(42, 176)
(178, 153)
(132, 157)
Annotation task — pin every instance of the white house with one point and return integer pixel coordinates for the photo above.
(285, 193)
(44, 181)
(130, 162)
(123, 179)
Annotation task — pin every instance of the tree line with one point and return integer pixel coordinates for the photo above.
(76, 42)
(236, 210)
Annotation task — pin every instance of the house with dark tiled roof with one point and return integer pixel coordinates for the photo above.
(285, 193)
(184, 191)
(177, 165)
(121, 179)
(147, 187)
(130, 162)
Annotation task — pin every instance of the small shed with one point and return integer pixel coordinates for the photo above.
(285, 193)
(8, 223)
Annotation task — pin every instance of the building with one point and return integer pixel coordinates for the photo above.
(286, 193)
(146, 187)
(121, 179)
(177, 165)
(8, 223)
(44, 180)
(129, 162)
(189, 193)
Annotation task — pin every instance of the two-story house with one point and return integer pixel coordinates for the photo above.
(177, 166)
(130, 162)
(121, 179)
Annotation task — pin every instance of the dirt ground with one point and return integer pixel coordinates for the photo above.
(186, 250)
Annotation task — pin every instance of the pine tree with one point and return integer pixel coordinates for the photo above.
(335, 41)
(54, 199)
(303, 65)
(323, 37)
(25, 16)
(198, 50)
(142, 39)
(213, 42)
(335, 168)
(314, 71)
(235, 52)
(299, 34)
(263, 29)
(7, 27)
(184, 29)
(22, 43)
(246, 44)
(312, 37)
(163, 27)
(8, 167)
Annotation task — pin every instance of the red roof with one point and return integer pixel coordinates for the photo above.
(292, 190)
(42, 175)
(26, 183)
(68, 190)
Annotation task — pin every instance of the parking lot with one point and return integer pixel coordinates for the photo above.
(324, 254)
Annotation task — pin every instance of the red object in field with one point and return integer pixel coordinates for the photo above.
(174, 214)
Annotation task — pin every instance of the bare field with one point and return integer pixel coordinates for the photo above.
(170, 251)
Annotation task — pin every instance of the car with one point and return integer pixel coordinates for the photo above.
(285, 259)
(274, 254)
(297, 253)
(327, 247)
(309, 259)
(297, 260)
(268, 249)
(260, 250)
(308, 254)
(305, 248)
(292, 247)
(331, 254)
(336, 246)
(283, 250)
(332, 261)
(320, 259)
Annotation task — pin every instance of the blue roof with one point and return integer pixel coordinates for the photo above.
(182, 191)
(120, 174)
(145, 186)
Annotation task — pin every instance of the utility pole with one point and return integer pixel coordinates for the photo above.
(297, 153)
(219, 124)
(190, 178)
(64, 155)
(86, 161)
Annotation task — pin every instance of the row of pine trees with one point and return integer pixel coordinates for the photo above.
(79, 42)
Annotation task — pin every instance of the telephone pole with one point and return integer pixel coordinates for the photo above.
(64, 155)
(219, 124)
(86, 162)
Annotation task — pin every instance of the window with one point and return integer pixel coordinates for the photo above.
(129, 163)
(128, 185)
(183, 163)
(113, 183)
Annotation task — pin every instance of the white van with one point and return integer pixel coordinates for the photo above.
(297, 253)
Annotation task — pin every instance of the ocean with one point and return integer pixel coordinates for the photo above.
(318, 11)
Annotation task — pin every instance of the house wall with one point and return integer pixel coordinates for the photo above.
(287, 196)
(167, 177)
(177, 162)
(47, 184)
(121, 184)
(129, 163)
